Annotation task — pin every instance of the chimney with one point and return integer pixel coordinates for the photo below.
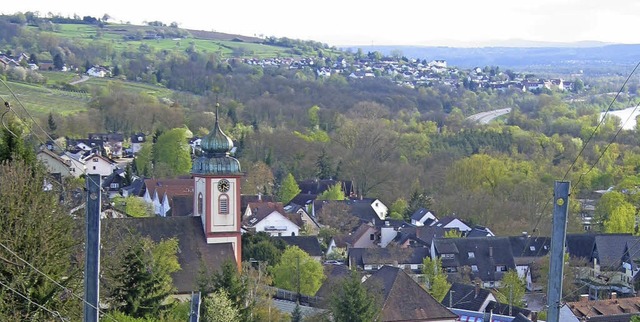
(477, 288)
(584, 297)
(259, 196)
(490, 251)
(614, 295)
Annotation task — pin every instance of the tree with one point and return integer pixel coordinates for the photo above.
(233, 283)
(259, 179)
(353, 302)
(435, 278)
(141, 280)
(134, 206)
(298, 272)
(333, 193)
(512, 289)
(217, 307)
(58, 62)
(314, 119)
(452, 233)
(14, 146)
(419, 199)
(144, 160)
(398, 209)
(622, 219)
(34, 227)
(325, 166)
(337, 215)
(288, 190)
(262, 248)
(172, 150)
(296, 315)
(51, 123)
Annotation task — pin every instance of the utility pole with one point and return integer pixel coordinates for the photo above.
(92, 248)
(558, 238)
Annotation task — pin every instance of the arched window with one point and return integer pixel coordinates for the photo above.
(200, 203)
(223, 204)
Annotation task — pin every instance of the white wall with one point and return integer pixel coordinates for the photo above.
(275, 219)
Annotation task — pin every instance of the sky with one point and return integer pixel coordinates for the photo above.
(466, 23)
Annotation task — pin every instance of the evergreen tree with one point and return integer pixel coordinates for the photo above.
(234, 284)
(58, 62)
(128, 175)
(324, 165)
(418, 200)
(289, 189)
(353, 302)
(143, 279)
(296, 315)
(51, 124)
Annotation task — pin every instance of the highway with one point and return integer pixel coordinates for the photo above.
(486, 117)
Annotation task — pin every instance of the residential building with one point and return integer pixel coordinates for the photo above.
(403, 299)
(309, 244)
(54, 163)
(270, 217)
(614, 309)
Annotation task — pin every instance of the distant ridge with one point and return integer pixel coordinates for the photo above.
(581, 55)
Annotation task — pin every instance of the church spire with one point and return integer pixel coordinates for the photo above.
(216, 147)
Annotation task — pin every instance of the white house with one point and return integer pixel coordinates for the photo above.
(54, 163)
(271, 218)
(452, 223)
(97, 164)
(422, 216)
(77, 166)
(136, 142)
(98, 71)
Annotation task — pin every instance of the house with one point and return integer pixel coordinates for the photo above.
(113, 183)
(366, 210)
(77, 166)
(480, 231)
(54, 163)
(98, 71)
(469, 301)
(450, 222)
(95, 163)
(309, 244)
(170, 197)
(613, 309)
(372, 259)
(365, 236)
(309, 223)
(271, 218)
(613, 261)
(194, 251)
(137, 140)
(423, 217)
(403, 299)
(112, 143)
(526, 250)
(483, 258)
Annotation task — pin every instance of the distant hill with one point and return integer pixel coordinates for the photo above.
(521, 57)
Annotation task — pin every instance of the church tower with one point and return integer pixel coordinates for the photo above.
(217, 177)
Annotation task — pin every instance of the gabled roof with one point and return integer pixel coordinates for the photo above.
(117, 176)
(606, 310)
(503, 309)
(580, 245)
(316, 187)
(261, 210)
(361, 208)
(526, 246)
(335, 274)
(610, 248)
(55, 156)
(379, 256)
(403, 299)
(303, 199)
(246, 199)
(170, 187)
(193, 248)
(309, 244)
(485, 253)
(466, 297)
(421, 213)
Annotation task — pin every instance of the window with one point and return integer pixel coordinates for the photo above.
(95, 159)
(223, 203)
(200, 203)
(471, 255)
(114, 185)
(372, 237)
(448, 256)
(450, 269)
(474, 268)
(501, 268)
(94, 167)
(532, 248)
(293, 233)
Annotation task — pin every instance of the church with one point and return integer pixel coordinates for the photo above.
(213, 234)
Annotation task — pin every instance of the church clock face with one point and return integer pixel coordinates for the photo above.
(223, 185)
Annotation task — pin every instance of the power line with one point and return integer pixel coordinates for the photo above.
(52, 280)
(54, 313)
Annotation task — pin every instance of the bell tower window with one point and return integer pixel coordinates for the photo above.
(223, 204)
(200, 203)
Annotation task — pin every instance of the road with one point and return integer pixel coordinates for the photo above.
(486, 117)
(82, 79)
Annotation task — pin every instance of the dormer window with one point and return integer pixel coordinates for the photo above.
(532, 248)
(471, 254)
(223, 204)
(474, 268)
(95, 159)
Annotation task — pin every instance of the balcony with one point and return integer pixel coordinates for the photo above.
(601, 280)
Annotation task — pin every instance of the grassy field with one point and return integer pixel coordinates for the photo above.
(114, 35)
(40, 100)
(133, 87)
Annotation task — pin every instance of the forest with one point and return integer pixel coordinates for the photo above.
(391, 141)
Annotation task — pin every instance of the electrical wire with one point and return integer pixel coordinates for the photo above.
(53, 280)
(54, 313)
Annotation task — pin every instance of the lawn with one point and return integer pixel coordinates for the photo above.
(40, 100)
